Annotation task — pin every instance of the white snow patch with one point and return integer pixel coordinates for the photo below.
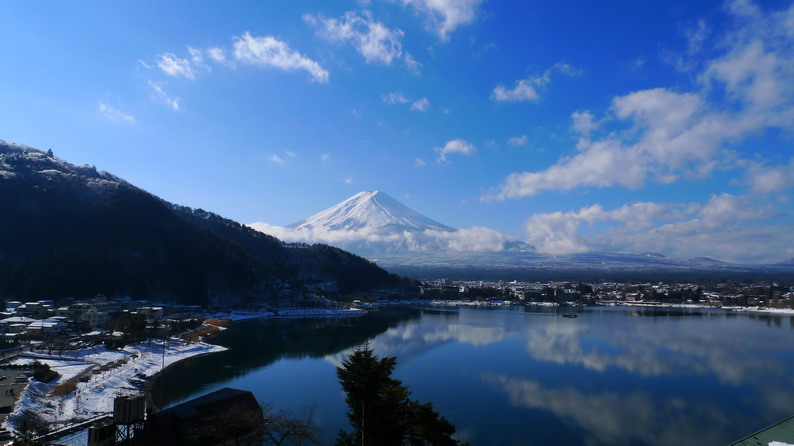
(95, 397)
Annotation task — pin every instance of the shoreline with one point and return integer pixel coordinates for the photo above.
(114, 373)
(242, 316)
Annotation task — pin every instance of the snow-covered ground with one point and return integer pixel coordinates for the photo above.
(95, 397)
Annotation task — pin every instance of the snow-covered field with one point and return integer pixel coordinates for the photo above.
(95, 397)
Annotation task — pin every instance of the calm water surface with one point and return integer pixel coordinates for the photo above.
(519, 377)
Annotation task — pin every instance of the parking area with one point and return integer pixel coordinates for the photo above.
(11, 384)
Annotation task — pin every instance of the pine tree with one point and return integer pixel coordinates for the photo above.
(379, 409)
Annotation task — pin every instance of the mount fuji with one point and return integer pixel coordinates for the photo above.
(374, 210)
(376, 226)
(372, 224)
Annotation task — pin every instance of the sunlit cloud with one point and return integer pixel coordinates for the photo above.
(529, 89)
(376, 42)
(267, 51)
(459, 146)
(445, 16)
(175, 66)
(674, 229)
(662, 135)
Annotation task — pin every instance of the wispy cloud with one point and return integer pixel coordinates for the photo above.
(175, 66)
(276, 159)
(529, 89)
(267, 51)
(376, 42)
(518, 141)
(421, 105)
(395, 97)
(419, 162)
(163, 97)
(114, 114)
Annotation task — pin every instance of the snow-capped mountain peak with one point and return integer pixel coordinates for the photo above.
(373, 210)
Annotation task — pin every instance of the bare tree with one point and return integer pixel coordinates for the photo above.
(285, 428)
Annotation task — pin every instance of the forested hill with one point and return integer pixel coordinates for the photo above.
(68, 230)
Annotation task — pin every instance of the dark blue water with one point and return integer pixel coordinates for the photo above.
(518, 377)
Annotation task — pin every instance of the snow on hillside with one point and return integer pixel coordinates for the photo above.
(95, 397)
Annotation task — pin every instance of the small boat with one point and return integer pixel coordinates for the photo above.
(570, 315)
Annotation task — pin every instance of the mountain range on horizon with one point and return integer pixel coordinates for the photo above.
(375, 225)
(69, 230)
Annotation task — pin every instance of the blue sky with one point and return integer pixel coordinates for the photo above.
(575, 126)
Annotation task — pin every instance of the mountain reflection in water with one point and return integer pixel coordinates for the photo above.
(520, 376)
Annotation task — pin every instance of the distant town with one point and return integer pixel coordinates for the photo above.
(117, 320)
(65, 361)
(767, 296)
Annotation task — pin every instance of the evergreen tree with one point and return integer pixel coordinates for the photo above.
(379, 409)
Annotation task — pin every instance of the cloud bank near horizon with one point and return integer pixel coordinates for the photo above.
(474, 239)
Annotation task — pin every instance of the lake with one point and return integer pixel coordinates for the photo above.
(521, 376)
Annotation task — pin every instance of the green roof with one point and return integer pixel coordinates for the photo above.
(782, 431)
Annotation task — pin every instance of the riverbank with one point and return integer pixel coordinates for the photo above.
(90, 379)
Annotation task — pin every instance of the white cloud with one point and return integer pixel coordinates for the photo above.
(529, 89)
(144, 64)
(412, 64)
(195, 56)
(523, 90)
(583, 122)
(395, 97)
(454, 146)
(420, 105)
(325, 157)
(727, 227)
(349, 180)
(267, 51)
(475, 239)
(765, 180)
(276, 159)
(290, 154)
(518, 141)
(114, 114)
(217, 54)
(446, 15)
(419, 162)
(664, 135)
(371, 38)
(163, 97)
(175, 66)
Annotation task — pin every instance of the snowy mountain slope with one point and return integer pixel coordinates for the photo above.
(373, 210)
(372, 223)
